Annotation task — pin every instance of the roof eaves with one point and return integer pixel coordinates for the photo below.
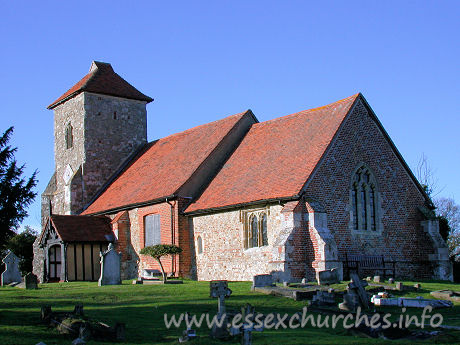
(244, 204)
(133, 205)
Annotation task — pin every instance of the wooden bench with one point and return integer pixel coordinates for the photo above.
(360, 263)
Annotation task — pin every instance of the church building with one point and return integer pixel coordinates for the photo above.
(289, 197)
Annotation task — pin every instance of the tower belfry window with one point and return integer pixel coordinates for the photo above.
(68, 136)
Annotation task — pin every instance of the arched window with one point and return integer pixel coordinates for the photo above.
(255, 229)
(364, 200)
(68, 136)
(199, 245)
(263, 228)
(253, 232)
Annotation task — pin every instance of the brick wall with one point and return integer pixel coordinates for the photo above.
(402, 237)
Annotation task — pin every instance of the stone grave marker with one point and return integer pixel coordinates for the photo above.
(356, 295)
(391, 281)
(219, 289)
(30, 281)
(11, 273)
(323, 298)
(248, 316)
(358, 285)
(350, 301)
(262, 280)
(189, 333)
(399, 286)
(417, 286)
(110, 267)
(327, 277)
(377, 279)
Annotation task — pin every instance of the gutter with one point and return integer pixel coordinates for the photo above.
(131, 206)
(223, 208)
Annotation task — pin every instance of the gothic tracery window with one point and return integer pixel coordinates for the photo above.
(256, 234)
(364, 200)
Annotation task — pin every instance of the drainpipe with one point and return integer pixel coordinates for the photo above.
(173, 234)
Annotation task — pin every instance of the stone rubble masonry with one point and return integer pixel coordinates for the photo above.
(106, 131)
(224, 256)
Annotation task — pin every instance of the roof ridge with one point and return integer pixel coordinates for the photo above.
(306, 111)
(199, 126)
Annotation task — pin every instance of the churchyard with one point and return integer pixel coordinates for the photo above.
(141, 308)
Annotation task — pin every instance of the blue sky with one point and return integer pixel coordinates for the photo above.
(203, 60)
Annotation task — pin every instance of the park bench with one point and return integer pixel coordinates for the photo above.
(366, 263)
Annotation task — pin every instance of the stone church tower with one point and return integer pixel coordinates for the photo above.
(98, 124)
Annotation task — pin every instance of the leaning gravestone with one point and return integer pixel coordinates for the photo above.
(328, 277)
(356, 295)
(110, 267)
(11, 273)
(262, 280)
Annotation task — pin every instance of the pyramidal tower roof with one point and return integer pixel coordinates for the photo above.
(102, 79)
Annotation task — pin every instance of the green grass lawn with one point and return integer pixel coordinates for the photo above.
(142, 309)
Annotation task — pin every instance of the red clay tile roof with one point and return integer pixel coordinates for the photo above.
(72, 228)
(275, 158)
(164, 166)
(103, 80)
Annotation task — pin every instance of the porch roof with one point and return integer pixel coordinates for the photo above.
(77, 228)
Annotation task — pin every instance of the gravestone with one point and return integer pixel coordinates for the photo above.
(350, 301)
(358, 286)
(356, 295)
(327, 277)
(110, 267)
(219, 289)
(417, 286)
(262, 280)
(189, 334)
(323, 298)
(391, 281)
(11, 273)
(377, 279)
(30, 281)
(399, 286)
(249, 315)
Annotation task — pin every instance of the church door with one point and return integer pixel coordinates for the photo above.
(54, 256)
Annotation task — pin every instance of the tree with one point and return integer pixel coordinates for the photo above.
(15, 192)
(426, 177)
(449, 212)
(22, 245)
(160, 250)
